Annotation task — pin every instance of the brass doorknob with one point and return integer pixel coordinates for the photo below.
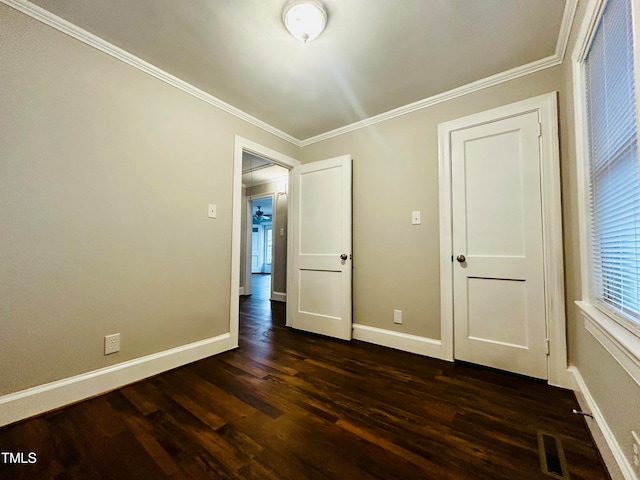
(461, 258)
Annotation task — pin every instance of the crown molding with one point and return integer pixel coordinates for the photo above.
(587, 29)
(565, 28)
(556, 59)
(48, 18)
(68, 28)
(487, 82)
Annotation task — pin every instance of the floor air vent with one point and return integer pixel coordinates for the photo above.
(552, 460)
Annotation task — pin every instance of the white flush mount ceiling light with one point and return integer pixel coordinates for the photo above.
(305, 19)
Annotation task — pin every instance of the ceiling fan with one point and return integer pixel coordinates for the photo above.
(260, 216)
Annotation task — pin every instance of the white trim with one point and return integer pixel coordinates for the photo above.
(244, 145)
(546, 107)
(34, 401)
(62, 25)
(517, 72)
(587, 29)
(241, 291)
(553, 242)
(428, 347)
(581, 175)
(617, 340)
(279, 297)
(622, 344)
(38, 13)
(446, 243)
(565, 29)
(611, 451)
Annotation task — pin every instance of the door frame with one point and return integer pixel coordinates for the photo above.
(244, 145)
(547, 108)
(249, 239)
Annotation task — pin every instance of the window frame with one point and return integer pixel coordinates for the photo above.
(616, 334)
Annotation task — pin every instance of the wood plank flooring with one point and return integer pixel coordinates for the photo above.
(287, 405)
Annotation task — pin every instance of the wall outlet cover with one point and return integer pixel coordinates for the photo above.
(111, 344)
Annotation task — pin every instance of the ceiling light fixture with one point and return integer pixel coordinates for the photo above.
(305, 19)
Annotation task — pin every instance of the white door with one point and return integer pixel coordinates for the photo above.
(255, 249)
(268, 248)
(498, 273)
(319, 281)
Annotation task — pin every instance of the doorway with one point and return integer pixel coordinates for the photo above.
(261, 221)
(264, 241)
(239, 278)
(499, 317)
(528, 127)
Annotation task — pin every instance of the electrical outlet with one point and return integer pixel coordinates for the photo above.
(397, 316)
(111, 344)
(636, 450)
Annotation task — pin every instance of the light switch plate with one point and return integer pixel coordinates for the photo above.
(415, 217)
(213, 211)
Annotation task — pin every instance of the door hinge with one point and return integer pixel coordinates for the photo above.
(548, 347)
(539, 129)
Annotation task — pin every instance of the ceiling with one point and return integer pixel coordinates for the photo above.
(373, 57)
(265, 205)
(257, 171)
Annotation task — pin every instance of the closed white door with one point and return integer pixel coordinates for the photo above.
(498, 273)
(319, 281)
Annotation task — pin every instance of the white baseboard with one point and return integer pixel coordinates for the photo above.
(43, 398)
(279, 297)
(400, 341)
(613, 456)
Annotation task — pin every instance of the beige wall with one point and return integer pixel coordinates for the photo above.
(395, 171)
(105, 177)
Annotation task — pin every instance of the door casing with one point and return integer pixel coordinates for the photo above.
(244, 145)
(547, 110)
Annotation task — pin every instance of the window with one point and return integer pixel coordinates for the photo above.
(614, 180)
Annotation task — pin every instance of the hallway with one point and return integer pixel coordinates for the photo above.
(260, 286)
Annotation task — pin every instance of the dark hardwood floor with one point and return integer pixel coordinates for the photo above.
(288, 405)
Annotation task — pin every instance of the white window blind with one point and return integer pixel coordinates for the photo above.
(614, 177)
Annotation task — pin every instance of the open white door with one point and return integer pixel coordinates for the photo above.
(319, 280)
(499, 290)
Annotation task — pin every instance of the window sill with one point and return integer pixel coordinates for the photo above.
(623, 345)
